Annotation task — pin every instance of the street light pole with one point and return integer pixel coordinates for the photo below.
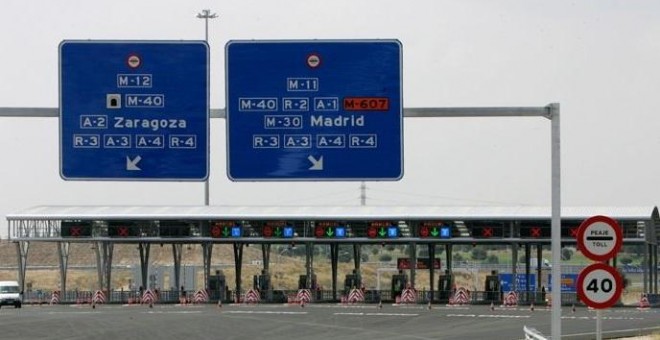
(206, 15)
(207, 248)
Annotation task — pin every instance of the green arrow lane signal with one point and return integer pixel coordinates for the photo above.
(225, 232)
(329, 232)
(435, 232)
(278, 232)
(382, 232)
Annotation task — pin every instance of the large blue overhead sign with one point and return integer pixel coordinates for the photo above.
(314, 110)
(134, 110)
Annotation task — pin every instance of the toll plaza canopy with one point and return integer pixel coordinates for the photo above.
(239, 225)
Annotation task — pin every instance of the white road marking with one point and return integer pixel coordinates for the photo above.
(375, 314)
(261, 312)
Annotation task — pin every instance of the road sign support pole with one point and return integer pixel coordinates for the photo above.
(206, 15)
(555, 226)
(599, 324)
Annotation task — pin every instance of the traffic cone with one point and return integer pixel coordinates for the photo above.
(93, 304)
(302, 303)
(380, 304)
(573, 308)
(429, 305)
(643, 303)
(531, 307)
(219, 303)
(151, 304)
(492, 306)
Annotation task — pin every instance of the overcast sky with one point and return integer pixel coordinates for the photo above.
(599, 59)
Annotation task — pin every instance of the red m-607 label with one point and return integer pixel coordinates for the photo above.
(366, 104)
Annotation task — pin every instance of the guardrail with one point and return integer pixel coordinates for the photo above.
(533, 334)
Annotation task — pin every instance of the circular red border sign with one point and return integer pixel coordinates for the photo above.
(614, 226)
(618, 286)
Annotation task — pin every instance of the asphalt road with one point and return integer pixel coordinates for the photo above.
(316, 322)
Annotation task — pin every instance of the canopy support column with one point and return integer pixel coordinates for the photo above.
(63, 257)
(309, 264)
(357, 254)
(177, 248)
(104, 265)
(144, 249)
(431, 270)
(207, 251)
(265, 256)
(238, 263)
(334, 258)
(22, 248)
(413, 263)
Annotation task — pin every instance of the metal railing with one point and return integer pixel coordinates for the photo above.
(533, 334)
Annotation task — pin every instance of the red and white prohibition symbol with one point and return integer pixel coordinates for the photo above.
(133, 61)
(313, 60)
(599, 238)
(599, 286)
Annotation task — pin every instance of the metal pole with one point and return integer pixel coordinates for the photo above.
(555, 222)
(206, 15)
(363, 194)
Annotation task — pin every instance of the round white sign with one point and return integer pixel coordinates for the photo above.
(599, 238)
(313, 60)
(133, 61)
(599, 286)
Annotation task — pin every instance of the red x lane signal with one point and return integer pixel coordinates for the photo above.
(535, 232)
(122, 231)
(75, 231)
(574, 231)
(487, 232)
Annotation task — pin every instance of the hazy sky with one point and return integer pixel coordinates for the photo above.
(599, 59)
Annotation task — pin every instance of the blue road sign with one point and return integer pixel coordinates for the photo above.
(134, 110)
(519, 283)
(314, 110)
(568, 283)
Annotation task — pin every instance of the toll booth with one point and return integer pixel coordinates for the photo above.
(302, 282)
(399, 283)
(217, 286)
(353, 280)
(262, 284)
(445, 286)
(492, 287)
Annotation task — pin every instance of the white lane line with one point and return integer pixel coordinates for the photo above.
(375, 314)
(262, 312)
(173, 312)
(504, 316)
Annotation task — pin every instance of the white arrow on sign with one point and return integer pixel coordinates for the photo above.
(131, 164)
(317, 164)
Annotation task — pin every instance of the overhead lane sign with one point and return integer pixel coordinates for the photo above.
(314, 110)
(134, 110)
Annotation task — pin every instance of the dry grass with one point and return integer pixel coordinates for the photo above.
(284, 270)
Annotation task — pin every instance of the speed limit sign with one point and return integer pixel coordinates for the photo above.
(599, 286)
